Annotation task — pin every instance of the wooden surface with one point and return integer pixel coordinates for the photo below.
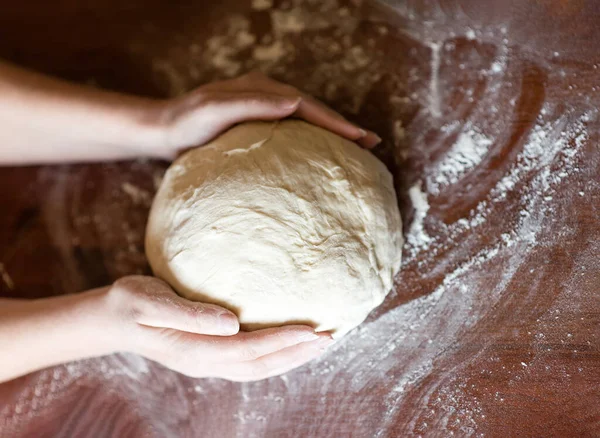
(488, 106)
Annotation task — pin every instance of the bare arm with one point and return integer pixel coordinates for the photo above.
(46, 120)
(35, 334)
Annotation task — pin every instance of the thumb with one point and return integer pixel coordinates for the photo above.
(163, 308)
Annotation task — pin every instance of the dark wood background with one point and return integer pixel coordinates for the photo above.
(492, 329)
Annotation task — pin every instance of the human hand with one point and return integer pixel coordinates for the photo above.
(201, 340)
(201, 115)
(73, 123)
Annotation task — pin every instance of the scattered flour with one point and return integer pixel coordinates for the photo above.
(119, 376)
(466, 153)
(137, 195)
(435, 94)
(417, 237)
(261, 5)
(222, 50)
(388, 358)
(345, 63)
(427, 328)
(269, 53)
(177, 83)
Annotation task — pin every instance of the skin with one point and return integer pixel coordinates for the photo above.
(43, 121)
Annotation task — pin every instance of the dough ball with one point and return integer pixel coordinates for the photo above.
(281, 223)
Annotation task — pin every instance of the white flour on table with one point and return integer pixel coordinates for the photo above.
(424, 331)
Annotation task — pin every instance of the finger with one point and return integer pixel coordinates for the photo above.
(316, 113)
(370, 140)
(228, 109)
(161, 307)
(311, 109)
(279, 362)
(247, 346)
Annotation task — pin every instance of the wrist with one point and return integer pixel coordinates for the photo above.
(81, 327)
(70, 122)
(97, 332)
(152, 126)
(136, 126)
(149, 129)
(36, 334)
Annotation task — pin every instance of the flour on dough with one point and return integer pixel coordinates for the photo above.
(281, 222)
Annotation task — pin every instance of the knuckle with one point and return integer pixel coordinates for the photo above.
(121, 291)
(129, 295)
(125, 288)
(198, 101)
(245, 352)
(256, 100)
(124, 283)
(134, 283)
(197, 314)
(257, 371)
(214, 101)
(172, 351)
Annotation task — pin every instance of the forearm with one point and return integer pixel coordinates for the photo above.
(46, 120)
(36, 334)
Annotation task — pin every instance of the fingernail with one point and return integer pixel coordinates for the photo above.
(229, 321)
(305, 337)
(363, 133)
(295, 103)
(371, 140)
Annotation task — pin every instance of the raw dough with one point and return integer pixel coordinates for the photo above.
(280, 222)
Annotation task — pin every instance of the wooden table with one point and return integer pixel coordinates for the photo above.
(488, 110)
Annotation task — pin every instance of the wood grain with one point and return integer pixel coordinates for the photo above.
(493, 327)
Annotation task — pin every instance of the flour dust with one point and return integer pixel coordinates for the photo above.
(384, 364)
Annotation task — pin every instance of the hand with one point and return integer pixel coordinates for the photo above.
(201, 115)
(202, 340)
(71, 123)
